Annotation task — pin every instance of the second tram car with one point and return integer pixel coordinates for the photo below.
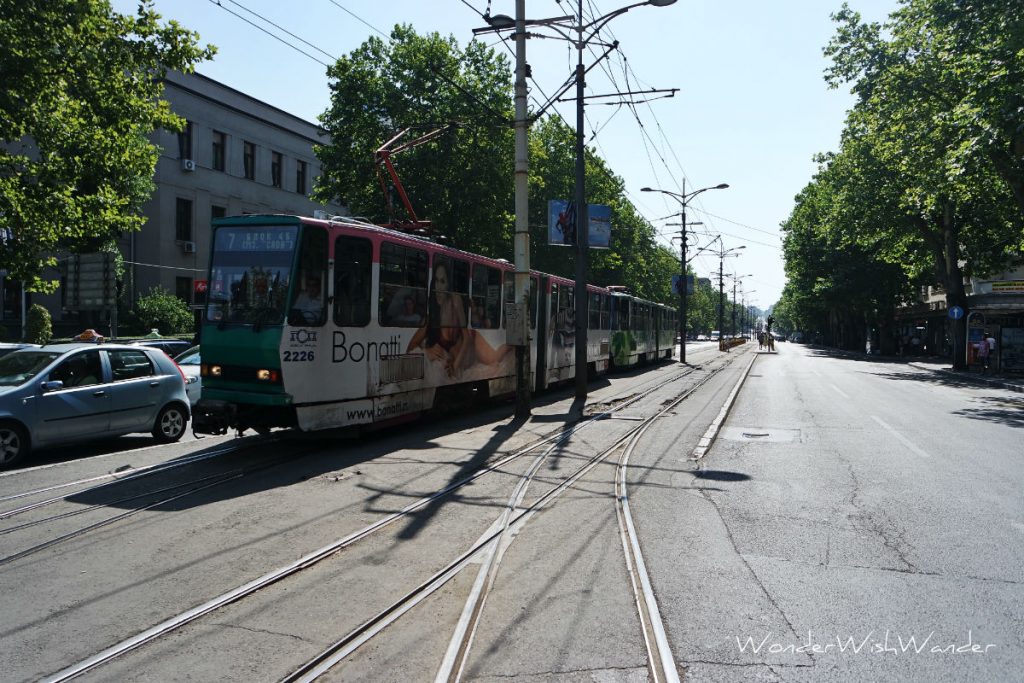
(318, 324)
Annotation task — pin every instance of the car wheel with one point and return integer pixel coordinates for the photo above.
(170, 424)
(14, 444)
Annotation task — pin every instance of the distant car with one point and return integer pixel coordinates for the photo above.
(189, 362)
(69, 393)
(172, 347)
(7, 347)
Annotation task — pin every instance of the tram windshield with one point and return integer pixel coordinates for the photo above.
(250, 273)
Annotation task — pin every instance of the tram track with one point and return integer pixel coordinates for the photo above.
(175, 622)
(111, 478)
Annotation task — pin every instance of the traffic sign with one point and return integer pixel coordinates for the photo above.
(955, 312)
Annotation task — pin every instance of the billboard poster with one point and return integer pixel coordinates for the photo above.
(562, 224)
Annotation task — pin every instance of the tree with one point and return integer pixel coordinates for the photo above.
(81, 96)
(931, 164)
(462, 180)
(163, 311)
(38, 327)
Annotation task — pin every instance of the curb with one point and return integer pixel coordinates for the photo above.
(705, 442)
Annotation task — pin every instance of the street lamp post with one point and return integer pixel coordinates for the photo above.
(735, 281)
(582, 219)
(723, 252)
(683, 200)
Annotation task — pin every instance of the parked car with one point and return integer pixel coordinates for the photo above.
(7, 347)
(189, 362)
(69, 393)
(172, 347)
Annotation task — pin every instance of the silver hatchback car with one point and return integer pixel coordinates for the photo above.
(66, 393)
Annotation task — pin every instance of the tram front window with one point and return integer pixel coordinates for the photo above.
(250, 274)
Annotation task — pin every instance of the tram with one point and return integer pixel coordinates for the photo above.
(319, 324)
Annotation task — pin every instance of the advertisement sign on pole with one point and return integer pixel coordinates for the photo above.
(562, 224)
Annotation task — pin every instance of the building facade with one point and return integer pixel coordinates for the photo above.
(237, 155)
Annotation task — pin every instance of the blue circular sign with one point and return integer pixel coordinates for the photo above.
(955, 312)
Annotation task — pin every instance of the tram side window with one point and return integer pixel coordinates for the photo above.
(449, 291)
(309, 289)
(622, 313)
(595, 310)
(486, 296)
(353, 260)
(605, 312)
(403, 286)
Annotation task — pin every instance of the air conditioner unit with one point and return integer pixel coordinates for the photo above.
(189, 247)
(188, 165)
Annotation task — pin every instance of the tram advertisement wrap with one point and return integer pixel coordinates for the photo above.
(338, 367)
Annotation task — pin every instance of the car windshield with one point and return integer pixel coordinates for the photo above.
(21, 366)
(190, 357)
(250, 273)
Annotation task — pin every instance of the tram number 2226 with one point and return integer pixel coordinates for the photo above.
(297, 356)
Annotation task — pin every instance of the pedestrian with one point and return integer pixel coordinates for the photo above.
(991, 341)
(984, 353)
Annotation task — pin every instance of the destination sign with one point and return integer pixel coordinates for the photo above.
(256, 239)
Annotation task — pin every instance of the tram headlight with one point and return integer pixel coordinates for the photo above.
(207, 370)
(265, 375)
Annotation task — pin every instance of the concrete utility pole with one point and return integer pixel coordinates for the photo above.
(683, 200)
(582, 221)
(522, 236)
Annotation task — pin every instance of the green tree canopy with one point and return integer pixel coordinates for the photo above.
(463, 179)
(81, 95)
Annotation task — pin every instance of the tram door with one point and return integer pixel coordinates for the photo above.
(543, 317)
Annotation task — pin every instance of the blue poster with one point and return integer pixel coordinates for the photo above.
(562, 224)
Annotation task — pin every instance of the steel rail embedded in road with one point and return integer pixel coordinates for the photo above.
(133, 473)
(312, 558)
(347, 645)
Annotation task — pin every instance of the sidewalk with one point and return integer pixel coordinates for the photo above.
(943, 366)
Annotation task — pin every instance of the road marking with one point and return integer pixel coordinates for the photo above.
(839, 391)
(904, 440)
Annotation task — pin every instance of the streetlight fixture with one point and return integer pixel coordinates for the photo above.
(582, 218)
(735, 280)
(722, 253)
(683, 198)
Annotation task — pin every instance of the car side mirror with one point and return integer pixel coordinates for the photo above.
(52, 385)
(191, 379)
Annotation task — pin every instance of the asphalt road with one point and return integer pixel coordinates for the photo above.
(855, 520)
(842, 500)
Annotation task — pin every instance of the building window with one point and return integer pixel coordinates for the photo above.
(300, 177)
(183, 289)
(183, 220)
(217, 212)
(275, 169)
(219, 148)
(185, 142)
(249, 160)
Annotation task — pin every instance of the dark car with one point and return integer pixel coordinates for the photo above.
(68, 393)
(172, 347)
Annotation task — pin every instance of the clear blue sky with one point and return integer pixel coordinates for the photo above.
(752, 107)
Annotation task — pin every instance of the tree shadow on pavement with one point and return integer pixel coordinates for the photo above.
(1004, 411)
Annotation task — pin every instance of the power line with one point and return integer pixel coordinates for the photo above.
(275, 37)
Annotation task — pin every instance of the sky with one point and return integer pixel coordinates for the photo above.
(751, 110)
